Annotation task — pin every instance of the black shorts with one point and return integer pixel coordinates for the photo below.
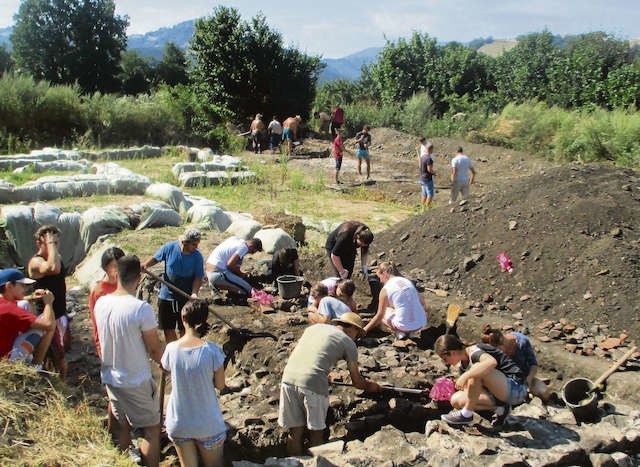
(338, 163)
(169, 314)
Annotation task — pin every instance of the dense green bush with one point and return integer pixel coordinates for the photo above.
(365, 113)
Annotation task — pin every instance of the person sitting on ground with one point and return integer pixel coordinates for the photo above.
(223, 265)
(184, 268)
(128, 335)
(304, 392)
(342, 247)
(285, 262)
(518, 347)
(491, 380)
(108, 284)
(258, 131)
(23, 336)
(194, 420)
(290, 132)
(330, 308)
(401, 309)
(50, 274)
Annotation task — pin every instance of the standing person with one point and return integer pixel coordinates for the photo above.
(128, 336)
(290, 131)
(338, 152)
(275, 134)
(194, 421)
(491, 380)
(184, 268)
(23, 336)
(518, 347)
(337, 119)
(460, 180)
(325, 121)
(400, 307)
(304, 392)
(257, 133)
(422, 147)
(426, 176)
(342, 246)
(108, 284)
(49, 273)
(224, 265)
(363, 140)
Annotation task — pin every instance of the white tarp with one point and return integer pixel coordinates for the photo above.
(209, 217)
(170, 194)
(274, 239)
(99, 221)
(244, 227)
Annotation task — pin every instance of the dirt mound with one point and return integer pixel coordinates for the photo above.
(573, 235)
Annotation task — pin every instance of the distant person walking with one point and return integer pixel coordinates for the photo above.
(337, 119)
(338, 152)
(426, 175)
(275, 134)
(290, 132)
(194, 421)
(461, 167)
(363, 140)
(258, 132)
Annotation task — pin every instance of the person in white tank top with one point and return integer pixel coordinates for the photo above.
(401, 308)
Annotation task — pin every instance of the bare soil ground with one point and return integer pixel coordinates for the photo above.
(574, 245)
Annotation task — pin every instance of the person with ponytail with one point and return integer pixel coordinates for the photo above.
(490, 380)
(401, 309)
(194, 421)
(342, 247)
(518, 347)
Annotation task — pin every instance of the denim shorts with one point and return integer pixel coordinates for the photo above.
(427, 189)
(363, 154)
(209, 444)
(338, 163)
(517, 392)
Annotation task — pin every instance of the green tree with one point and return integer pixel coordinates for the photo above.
(172, 69)
(243, 68)
(137, 73)
(6, 61)
(623, 86)
(67, 41)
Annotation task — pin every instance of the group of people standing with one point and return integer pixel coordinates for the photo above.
(275, 133)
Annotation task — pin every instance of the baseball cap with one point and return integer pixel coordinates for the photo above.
(13, 275)
(191, 235)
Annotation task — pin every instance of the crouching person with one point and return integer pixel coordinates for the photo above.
(24, 336)
(128, 334)
(304, 393)
(194, 421)
(490, 380)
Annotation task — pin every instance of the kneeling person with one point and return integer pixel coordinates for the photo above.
(304, 393)
(223, 265)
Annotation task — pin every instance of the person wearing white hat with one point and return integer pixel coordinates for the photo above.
(23, 336)
(304, 392)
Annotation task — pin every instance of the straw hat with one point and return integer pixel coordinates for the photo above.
(350, 319)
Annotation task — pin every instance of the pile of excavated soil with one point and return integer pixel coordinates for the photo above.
(573, 234)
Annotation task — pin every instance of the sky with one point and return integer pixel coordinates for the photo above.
(336, 28)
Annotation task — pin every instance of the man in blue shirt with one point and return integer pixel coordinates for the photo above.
(184, 268)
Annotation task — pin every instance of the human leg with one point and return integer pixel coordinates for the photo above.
(368, 167)
(295, 441)
(541, 390)
(359, 166)
(218, 280)
(430, 191)
(291, 415)
(316, 437)
(187, 452)
(455, 189)
(168, 315)
(212, 450)
(150, 445)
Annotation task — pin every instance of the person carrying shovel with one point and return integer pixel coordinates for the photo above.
(304, 392)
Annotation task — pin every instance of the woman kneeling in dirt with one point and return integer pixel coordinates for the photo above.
(194, 420)
(518, 347)
(401, 309)
(326, 307)
(491, 380)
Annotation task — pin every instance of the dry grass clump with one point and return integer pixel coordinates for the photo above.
(44, 422)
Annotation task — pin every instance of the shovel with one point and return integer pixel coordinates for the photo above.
(415, 392)
(597, 385)
(242, 333)
(452, 314)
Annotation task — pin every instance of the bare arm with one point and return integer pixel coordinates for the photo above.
(149, 263)
(152, 343)
(532, 374)
(337, 262)
(486, 363)
(47, 320)
(195, 288)
(233, 265)
(218, 378)
(453, 174)
(364, 260)
(358, 381)
(383, 303)
(473, 175)
(315, 317)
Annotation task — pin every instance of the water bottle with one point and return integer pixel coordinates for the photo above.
(505, 262)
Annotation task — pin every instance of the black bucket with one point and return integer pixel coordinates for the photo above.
(580, 397)
(289, 286)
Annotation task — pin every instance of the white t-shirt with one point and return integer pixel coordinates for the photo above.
(223, 252)
(409, 315)
(423, 149)
(193, 410)
(121, 320)
(462, 164)
(331, 283)
(332, 308)
(275, 127)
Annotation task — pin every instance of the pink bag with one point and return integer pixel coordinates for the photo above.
(261, 297)
(442, 389)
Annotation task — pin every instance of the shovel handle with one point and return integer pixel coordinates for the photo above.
(615, 366)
